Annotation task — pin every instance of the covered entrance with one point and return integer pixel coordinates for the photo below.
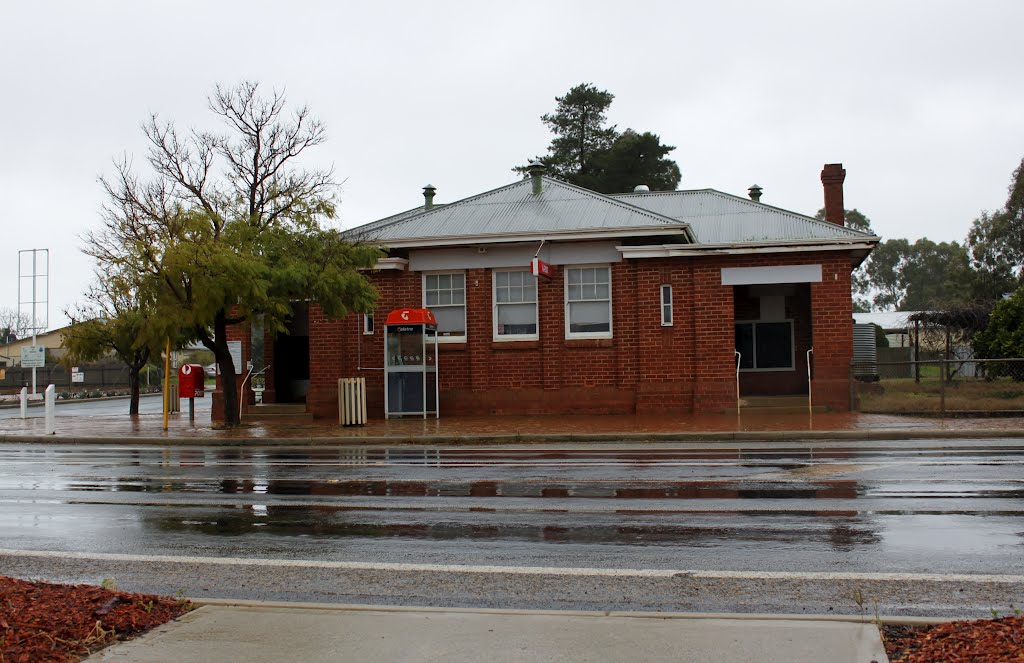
(772, 326)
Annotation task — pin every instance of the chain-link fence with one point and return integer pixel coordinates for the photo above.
(93, 378)
(940, 386)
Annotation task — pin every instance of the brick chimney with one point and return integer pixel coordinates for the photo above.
(832, 176)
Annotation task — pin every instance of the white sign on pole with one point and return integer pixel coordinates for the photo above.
(77, 376)
(33, 357)
(235, 348)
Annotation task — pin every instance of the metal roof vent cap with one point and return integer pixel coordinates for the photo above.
(755, 193)
(536, 170)
(428, 196)
(641, 188)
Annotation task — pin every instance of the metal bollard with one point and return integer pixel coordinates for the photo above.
(24, 402)
(50, 403)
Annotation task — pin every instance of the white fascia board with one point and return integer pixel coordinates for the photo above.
(559, 235)
(676, 251)
(400, 264)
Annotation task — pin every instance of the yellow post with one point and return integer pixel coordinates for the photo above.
(167, 382)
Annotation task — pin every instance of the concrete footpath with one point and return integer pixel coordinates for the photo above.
(276, 633)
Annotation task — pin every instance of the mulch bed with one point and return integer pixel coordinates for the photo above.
(981, 641)
(43, 622)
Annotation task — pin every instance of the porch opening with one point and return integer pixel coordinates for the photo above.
(772, 324)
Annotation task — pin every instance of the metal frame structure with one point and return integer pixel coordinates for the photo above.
(34, 302)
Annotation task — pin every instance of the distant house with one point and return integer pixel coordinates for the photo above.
(658, 302)
(10, 352)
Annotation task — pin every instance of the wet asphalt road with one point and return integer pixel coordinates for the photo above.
(665, 527)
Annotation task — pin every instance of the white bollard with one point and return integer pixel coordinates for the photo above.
(24, 402)
(51, 405)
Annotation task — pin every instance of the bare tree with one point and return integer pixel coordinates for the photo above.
(13, 326)
(229, 227)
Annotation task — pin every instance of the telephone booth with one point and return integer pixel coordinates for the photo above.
(410, 364)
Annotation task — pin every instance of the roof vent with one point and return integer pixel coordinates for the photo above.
(428, 197)
(536, 170)
(641, 188)
(755, 193)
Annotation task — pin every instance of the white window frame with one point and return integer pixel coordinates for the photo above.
(368, 324)
(792, 345)
(666, 305)
(494, 307)
(465, 302)
(611, 321)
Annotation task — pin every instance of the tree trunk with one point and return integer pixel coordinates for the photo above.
(133, 389)
(228, 381)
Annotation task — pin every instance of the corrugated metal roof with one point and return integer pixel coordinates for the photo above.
(711, 217)
(515, 209)
(721, 218)
(886, 319)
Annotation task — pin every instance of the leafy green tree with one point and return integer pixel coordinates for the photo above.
(996, 245)
(917, 277)
(937, 275)
(113, 321)
(581, 137)
(229, 227)
(633, 159)
(587, 152)
(1003, 337)
(884, 273)
(852, 218)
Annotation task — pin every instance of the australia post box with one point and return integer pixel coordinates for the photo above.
(190, 381)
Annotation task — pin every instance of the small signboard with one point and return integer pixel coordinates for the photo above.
(541, 269)
(235, 348)
(33, 357)
(77, 376)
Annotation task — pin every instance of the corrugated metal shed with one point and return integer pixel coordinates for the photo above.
(720, 218)
(515, 209)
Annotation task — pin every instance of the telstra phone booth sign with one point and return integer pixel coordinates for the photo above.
(410, 364)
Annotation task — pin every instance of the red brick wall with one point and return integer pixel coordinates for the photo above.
(644, 368)
(832, 315)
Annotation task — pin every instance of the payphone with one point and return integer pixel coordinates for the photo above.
(410, 364)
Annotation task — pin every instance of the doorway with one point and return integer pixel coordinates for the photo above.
(291, 357)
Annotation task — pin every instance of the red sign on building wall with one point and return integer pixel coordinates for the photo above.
(541, 269)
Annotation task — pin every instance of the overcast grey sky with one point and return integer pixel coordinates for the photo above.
(921, 101)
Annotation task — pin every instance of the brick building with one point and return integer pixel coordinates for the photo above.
(656, 299)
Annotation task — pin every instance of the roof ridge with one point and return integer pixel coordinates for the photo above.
(757, 204)
(404, 217)
(435, 208)
(597, 194)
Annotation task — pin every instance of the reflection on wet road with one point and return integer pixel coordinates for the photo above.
(925, 507)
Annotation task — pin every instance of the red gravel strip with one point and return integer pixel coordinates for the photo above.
(981, 641)
(42, 622)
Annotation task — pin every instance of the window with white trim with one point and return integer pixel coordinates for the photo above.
(445, 296)
(666, 305)
(765, 346)
(515, 305)
(368, 323)
(588, 302)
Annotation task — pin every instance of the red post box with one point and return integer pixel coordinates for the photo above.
(191, 381)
